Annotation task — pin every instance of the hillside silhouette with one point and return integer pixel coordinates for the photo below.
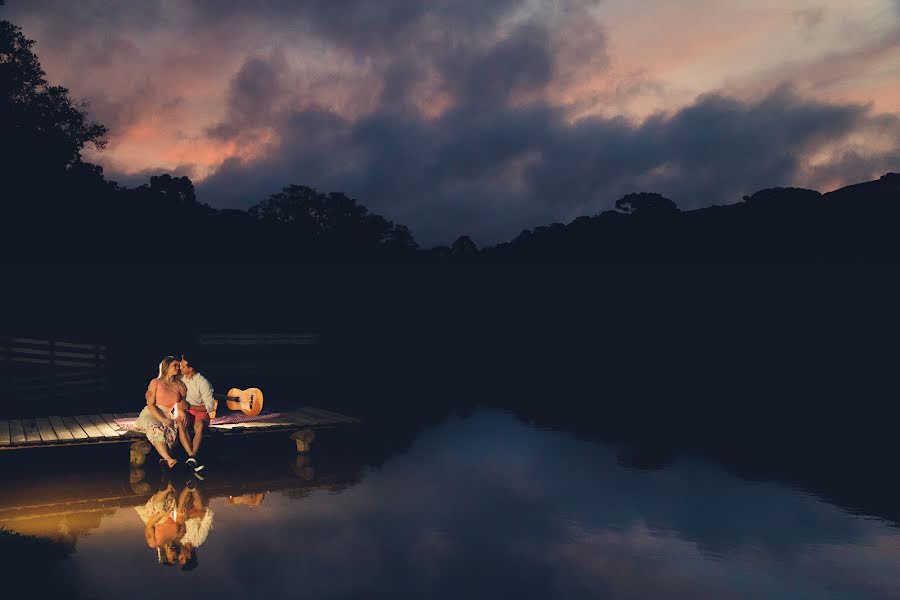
(57, 207)
(857, 222)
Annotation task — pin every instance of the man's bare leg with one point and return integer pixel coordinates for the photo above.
(183, 436)
(199, 427)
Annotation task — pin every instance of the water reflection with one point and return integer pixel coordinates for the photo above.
(177, 523)
(487, 507)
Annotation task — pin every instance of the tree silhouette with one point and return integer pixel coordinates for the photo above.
(646, 204)
(329, 222)
(783, 199)
(463, 247)
(42, 129)
(179, 191)
(400, 238)
(296, 206)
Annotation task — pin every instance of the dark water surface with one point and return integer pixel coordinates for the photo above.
(481, 506)
(702, 432)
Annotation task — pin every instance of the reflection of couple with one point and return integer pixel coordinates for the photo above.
(176, 527)
(179, 400)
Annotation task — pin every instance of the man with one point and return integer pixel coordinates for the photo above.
(200, 404)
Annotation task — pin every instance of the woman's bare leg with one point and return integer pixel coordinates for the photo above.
(164, 452)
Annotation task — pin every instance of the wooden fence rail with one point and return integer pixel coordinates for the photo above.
(33, 369)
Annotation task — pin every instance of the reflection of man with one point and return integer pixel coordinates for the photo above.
(200, 405)
(193, 504)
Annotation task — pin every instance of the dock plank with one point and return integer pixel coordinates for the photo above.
(62, 432)
(32, 435)
(302, 419)
(103, 426)
(45, 430)
(310, 418)
(111, 421)
(16, 433)
(74, 428)
(89, 428)
(327, 414)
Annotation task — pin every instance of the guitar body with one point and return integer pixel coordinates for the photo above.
(249, 401)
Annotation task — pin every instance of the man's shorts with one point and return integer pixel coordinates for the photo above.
(197, 413)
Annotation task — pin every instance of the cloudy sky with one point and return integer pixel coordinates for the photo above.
(482, 117)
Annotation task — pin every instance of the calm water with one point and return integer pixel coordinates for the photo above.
(484, 507)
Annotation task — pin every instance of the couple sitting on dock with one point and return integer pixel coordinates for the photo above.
(179, 404)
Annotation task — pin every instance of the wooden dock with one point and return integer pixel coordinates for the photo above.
(42, 432)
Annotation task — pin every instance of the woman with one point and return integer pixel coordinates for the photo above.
(165, 397)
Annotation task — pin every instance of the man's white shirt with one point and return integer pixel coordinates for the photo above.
(199, 391)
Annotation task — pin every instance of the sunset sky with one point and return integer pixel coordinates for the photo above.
(482, 117)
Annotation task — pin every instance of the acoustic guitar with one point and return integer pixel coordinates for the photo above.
(249, 401)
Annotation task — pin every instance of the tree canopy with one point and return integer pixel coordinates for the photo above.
(332, 220)
(43, 129)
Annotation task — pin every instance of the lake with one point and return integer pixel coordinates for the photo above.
(479, 504)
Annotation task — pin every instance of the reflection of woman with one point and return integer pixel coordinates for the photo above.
(163, 524)
(158, 419)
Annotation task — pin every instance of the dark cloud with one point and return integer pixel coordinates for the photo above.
(489, 170)
(65, 25)
(719, 149)
(809, 17)
(493, 76)
(365, 26)
(254, 96)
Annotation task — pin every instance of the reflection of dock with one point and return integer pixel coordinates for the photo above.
(60, 503)
(106, 428)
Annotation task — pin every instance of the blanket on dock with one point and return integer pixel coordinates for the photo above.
(128, 424)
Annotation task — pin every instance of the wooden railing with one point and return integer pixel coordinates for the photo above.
(37, 369)
(258, 339)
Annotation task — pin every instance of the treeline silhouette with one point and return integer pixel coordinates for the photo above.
(858, 222)
(57, 206)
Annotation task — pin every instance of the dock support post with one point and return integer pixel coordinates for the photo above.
(303, 468)
(139, 451)
(138, 480)
(303, 438)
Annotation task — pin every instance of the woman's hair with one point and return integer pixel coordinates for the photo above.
(164, 366)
